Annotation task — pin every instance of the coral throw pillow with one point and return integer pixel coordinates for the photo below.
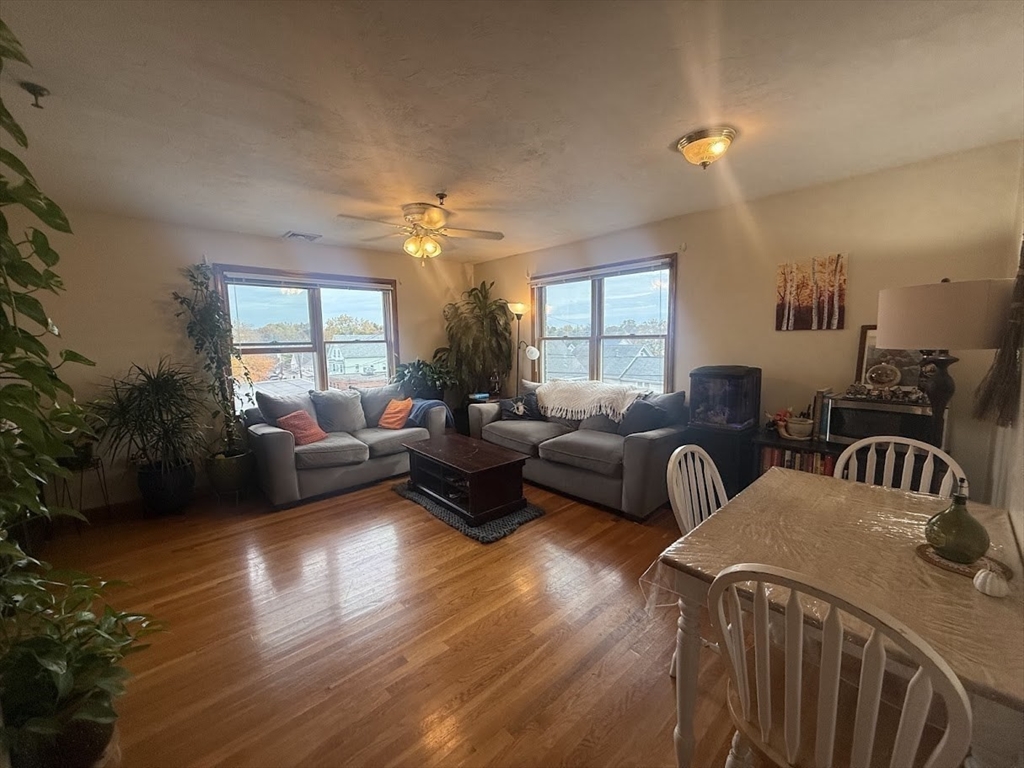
(302, 425)
(396, 414)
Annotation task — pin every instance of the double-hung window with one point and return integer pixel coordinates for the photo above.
(298, 331)
(611, 324)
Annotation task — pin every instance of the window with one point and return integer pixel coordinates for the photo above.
(298, 332)
(612, 324)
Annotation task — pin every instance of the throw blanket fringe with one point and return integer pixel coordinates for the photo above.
(579, 400)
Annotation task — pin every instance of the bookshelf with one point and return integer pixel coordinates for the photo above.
(815, 456)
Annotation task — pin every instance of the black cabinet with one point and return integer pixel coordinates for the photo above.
(732, 451)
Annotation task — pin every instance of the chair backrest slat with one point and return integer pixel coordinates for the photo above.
(871, 673)
(933, 460)
(828, 686)
(695, 487)
(762, 661)
(915, 713)
(932, 676)
(794, 672)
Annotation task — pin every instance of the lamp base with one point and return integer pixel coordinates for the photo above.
(940, 388)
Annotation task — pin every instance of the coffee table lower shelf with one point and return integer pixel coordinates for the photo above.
(475, 493)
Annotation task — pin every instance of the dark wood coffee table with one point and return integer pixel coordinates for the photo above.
(476, 480)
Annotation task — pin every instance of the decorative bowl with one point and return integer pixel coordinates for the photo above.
(798, 427)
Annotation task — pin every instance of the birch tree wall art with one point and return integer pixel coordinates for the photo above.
(811, 296)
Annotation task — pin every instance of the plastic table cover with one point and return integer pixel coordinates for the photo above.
(859, 540)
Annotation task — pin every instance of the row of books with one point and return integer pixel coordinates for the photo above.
(805, 461)
(818, 413)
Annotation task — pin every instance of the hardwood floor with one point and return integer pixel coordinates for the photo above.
(360, 630)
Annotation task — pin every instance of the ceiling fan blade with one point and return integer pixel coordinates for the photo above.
(383, 237)
(372, 221)
(478, 234)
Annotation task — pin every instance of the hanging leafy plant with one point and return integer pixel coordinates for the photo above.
(479, 330)
(59, 668)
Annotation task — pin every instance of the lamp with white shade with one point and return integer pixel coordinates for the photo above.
(518, 309)
(938, 317)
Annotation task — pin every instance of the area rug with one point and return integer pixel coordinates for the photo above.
(486, 533)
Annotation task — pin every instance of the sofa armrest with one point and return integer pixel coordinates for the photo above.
(645, 458)
(275, 460)
(480, 415)
(436, 420)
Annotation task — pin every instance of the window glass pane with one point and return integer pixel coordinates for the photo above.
(636, 303)
(281, 373)
(636, 363)
(567, 309)
(269, 315)
(565, 359)
(351, 314)
(358, 363)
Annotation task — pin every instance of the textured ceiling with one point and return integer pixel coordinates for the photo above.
(549, 121)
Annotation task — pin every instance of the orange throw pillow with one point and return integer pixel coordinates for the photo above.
(301, 425)
(396, 414)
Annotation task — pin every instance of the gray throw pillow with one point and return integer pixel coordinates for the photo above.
(528, 386)
(674, 403)
(643, 416)
(273, 407)
(338, 410)
(376, 399)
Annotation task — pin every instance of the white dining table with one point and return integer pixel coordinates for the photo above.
(861, 539)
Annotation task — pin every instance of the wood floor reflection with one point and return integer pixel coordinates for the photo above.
(361, 631)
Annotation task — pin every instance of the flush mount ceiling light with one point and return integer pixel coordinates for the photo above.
(704, 147)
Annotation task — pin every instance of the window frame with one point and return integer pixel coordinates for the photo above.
(312, 283)
(596, 276)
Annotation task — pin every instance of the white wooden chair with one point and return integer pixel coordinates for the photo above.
(696, 491)
(695, 486)
(936, 463)
(800, 713)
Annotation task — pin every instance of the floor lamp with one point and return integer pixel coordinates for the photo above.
(518, 309)
(936, 318)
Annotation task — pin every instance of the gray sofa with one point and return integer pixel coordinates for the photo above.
(590, 459)
(355, 452)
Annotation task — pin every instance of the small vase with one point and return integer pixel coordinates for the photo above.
(955, 534)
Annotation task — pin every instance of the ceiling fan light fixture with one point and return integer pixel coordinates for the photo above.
(414, 246)
(430, 247)
(706, 146)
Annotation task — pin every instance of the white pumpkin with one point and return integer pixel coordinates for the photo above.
(991, 583)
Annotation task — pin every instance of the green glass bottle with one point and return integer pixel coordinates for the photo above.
(955, 534)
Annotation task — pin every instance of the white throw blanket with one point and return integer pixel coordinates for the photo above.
(582, 399)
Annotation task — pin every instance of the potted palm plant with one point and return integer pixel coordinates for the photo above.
(152, 416)
(60, 650)
(479, 330)
(230, 465)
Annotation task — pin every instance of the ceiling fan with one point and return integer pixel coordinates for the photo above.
(425, 226)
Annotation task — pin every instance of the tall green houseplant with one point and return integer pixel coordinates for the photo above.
(59, 656)
(479, 330)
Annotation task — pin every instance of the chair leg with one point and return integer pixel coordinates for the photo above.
(740, 754)
(672, 666)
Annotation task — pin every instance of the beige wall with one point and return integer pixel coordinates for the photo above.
(950, 217)
(120, 273)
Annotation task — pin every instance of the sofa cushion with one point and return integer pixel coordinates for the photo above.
(338, 410)
(376, 399)
(587, 449)
(599, 423)
(273, 407)
(522, 436)
(385, 442)
(674, 403)
(336, 450)
(643, 416)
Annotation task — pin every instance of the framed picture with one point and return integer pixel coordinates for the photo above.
(875, 366)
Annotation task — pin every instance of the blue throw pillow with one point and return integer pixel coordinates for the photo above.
(643, 416)
(523, 408)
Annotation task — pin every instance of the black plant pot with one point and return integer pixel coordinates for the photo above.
(230, 475)
(166, 490)
(80, 744)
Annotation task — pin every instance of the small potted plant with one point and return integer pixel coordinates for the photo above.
(152, 415)
(424, 379)
(230, 465)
